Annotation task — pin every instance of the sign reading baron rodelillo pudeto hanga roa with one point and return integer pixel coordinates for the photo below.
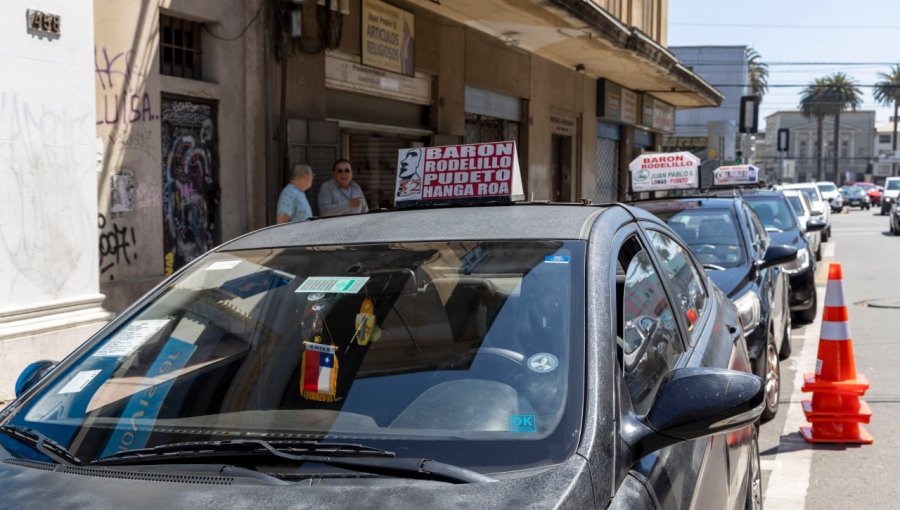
(664, 171)
(458, 173)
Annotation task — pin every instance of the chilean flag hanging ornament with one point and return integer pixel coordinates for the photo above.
(318, 372)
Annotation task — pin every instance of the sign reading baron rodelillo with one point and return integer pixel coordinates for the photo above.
(458, 173)
(662, 171)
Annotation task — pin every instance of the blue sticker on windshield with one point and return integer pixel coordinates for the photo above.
(522, 423)
(556, 259)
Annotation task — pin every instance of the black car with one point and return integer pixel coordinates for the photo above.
(781, 224)
(895, 219)
(526, 355)
(732, 244)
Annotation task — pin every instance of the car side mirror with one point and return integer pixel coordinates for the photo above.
(777, 255)
(815, 225)
(816, 213)
(32, 374)
(692, 403)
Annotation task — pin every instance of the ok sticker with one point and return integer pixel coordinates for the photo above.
(519, 423)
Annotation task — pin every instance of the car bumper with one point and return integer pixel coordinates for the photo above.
(803, 290)
(855, 202)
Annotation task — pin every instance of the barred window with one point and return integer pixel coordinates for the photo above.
(180, 50)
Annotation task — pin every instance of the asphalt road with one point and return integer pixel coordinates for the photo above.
(798, 475)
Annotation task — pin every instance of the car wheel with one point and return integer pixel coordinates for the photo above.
(786, 347)
(824, 236)
(819, 252)
(769, 369)
(754, 499)
(808, 315)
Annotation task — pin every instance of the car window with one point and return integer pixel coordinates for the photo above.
(892, 184)
(650, 341)
(758, 233)
(683, 276)
(796, 204)
(773, 211)
(710, 232)
(458, 351)
(826, 187)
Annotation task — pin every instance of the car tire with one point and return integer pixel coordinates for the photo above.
(754, 499)
(768, 367)
(786, 347)
(808, 315)
(824, 236)
(819, 252)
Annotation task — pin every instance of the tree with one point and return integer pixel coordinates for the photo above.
(759, 72)
(813, 104)
(841, 92)
(887, 91)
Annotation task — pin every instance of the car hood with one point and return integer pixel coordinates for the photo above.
(27, 483)
(731, 280)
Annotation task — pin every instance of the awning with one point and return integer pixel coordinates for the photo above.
(578, 33)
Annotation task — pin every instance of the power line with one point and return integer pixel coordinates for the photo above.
(827, 64)
(814, 27)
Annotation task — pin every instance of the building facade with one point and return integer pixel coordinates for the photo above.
(196, 110)
(49, 292)
(699, 129)
(884, 149)
(855, 147)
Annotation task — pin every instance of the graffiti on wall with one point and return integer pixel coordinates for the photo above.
(190, 180)
(120, 101)
(117, 244)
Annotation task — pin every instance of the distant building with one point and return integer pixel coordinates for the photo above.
(855, 147)
(884, 133)
(725, 67)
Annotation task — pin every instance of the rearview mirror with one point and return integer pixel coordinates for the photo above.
(777, 255)
(32, 374)
(815, 225)
(692, 403)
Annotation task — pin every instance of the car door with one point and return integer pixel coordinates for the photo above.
(659, 319)
(773, 282)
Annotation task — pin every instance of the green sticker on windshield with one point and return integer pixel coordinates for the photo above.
(332, 284)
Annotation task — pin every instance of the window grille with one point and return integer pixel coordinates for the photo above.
(180, 50)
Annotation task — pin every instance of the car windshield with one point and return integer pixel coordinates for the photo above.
(796, 204)
(469, 353)
(892, 184)
(852, 190)
(826, 187)
(810, 194)
(711, 233)
(774, 212)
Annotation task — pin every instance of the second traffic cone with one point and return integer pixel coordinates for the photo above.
(836, 411)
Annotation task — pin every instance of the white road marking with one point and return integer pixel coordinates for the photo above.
(789, 478)
(828, 250)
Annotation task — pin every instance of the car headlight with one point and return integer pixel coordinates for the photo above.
(748, 308)
(801, 263)
(888, 200)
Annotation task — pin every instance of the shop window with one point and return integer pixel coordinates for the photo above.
(483, 129)
(884, 138)
(180, 48)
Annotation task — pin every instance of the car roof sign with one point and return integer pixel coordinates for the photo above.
(664, 171)
(470, 173)
(735, 174)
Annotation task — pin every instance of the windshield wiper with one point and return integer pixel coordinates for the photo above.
(350, 456)
(713, 266)
(42, 444)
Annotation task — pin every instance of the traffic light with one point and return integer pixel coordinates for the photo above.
(739, 159)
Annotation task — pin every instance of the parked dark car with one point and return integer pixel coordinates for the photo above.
(872, 191)
(495, 357)
(854, 196)
(781, 225)
(733, 246)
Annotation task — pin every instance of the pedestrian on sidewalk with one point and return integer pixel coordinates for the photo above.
(341, 195)
(292, 203)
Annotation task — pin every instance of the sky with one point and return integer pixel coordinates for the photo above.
(790, 33)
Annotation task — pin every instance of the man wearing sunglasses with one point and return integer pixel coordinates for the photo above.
(341, 195)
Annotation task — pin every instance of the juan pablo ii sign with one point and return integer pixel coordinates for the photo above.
(664, 171)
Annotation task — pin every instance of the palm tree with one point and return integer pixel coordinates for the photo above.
(759, 73)
(813, 105)
(887, 91)
(841, 93)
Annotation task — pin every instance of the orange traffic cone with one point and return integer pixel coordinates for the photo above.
(835, 410)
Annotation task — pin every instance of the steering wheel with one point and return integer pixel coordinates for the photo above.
(497, 364)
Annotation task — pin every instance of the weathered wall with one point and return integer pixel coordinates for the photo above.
(177, 177)
(48, 201)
